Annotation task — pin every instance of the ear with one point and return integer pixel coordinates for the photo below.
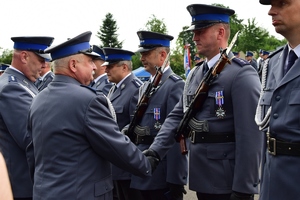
(24, 56)
(221, 32)
(163, 55)
(72, 65)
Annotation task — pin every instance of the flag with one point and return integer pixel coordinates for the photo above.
(187, 59)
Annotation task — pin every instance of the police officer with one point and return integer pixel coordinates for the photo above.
(171, 174)
(250, 59)
(17, 90)
(124, 97)
(279, 106)
(225, 149)
(77, 139)
(100, 81)
(46, 77)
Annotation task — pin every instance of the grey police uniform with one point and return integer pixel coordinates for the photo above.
(124, 100)
(173, 167)
(229, 157)
(72, 157)
(46, 80)
(16, 93)
(282, 94)
(103, 84)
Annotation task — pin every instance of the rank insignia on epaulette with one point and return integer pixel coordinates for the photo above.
(122, 86)
(12, 79)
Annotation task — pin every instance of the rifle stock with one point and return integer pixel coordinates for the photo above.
(197, 102)
(143, 102)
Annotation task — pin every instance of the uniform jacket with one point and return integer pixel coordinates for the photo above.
(124, 100)
(16, 93)
(103, 85)
(173, 167)
(73, 147)
(46, 80)
(281, 172)
(219, 168)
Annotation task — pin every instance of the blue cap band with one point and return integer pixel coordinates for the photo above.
(211, 17)
(26, 46)
(165, 43)
(70, 50)
(117, 57)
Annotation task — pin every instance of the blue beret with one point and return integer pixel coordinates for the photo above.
(76, 45)
(249, 53)
(113, 55)
(36, 44)
(3, 67)
(265, 2)
(150, 40)
(235, 53)
(99, 51)
(207, 15)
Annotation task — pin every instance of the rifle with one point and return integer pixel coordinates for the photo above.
(201, 93)
(143, 102)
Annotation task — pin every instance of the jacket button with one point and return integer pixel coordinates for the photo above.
(275, 116)
(277, 98)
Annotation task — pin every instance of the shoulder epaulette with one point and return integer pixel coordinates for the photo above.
(175, 77)
(90, 88)
(240, 62)
(137, 82)
(276, 51)
(12, 79)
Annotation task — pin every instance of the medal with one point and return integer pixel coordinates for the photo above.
(156, 114)
(220, 112)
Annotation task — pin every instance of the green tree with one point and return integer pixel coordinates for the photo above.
(252, 37)
(108, 33)
(156, 25)
(6, 56)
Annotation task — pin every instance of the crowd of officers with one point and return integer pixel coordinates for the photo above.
(65, 134)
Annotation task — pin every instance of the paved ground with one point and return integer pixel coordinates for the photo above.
(191, 195)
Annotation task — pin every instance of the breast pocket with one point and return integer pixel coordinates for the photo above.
(118, 109)
(292, 114)
(152, 117)
(216, 96)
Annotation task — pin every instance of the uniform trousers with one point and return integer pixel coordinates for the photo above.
(122, 191)
(160, 194)
(205, 196)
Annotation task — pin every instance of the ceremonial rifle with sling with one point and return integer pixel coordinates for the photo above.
(201, 93)
(143, 102)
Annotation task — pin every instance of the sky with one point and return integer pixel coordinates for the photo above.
(64, 19)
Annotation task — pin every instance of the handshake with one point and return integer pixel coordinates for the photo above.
(153, 158)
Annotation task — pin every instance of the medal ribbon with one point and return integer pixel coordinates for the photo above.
(156, 113)
(219, 98)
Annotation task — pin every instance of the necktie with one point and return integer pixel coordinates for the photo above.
(205, 67)
(291, 60)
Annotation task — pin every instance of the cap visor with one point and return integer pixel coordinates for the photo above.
(265, 2)
(105, 64)
(142, 49)
(47, 57)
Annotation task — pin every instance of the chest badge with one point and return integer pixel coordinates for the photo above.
(220, 112)
(156, 114)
